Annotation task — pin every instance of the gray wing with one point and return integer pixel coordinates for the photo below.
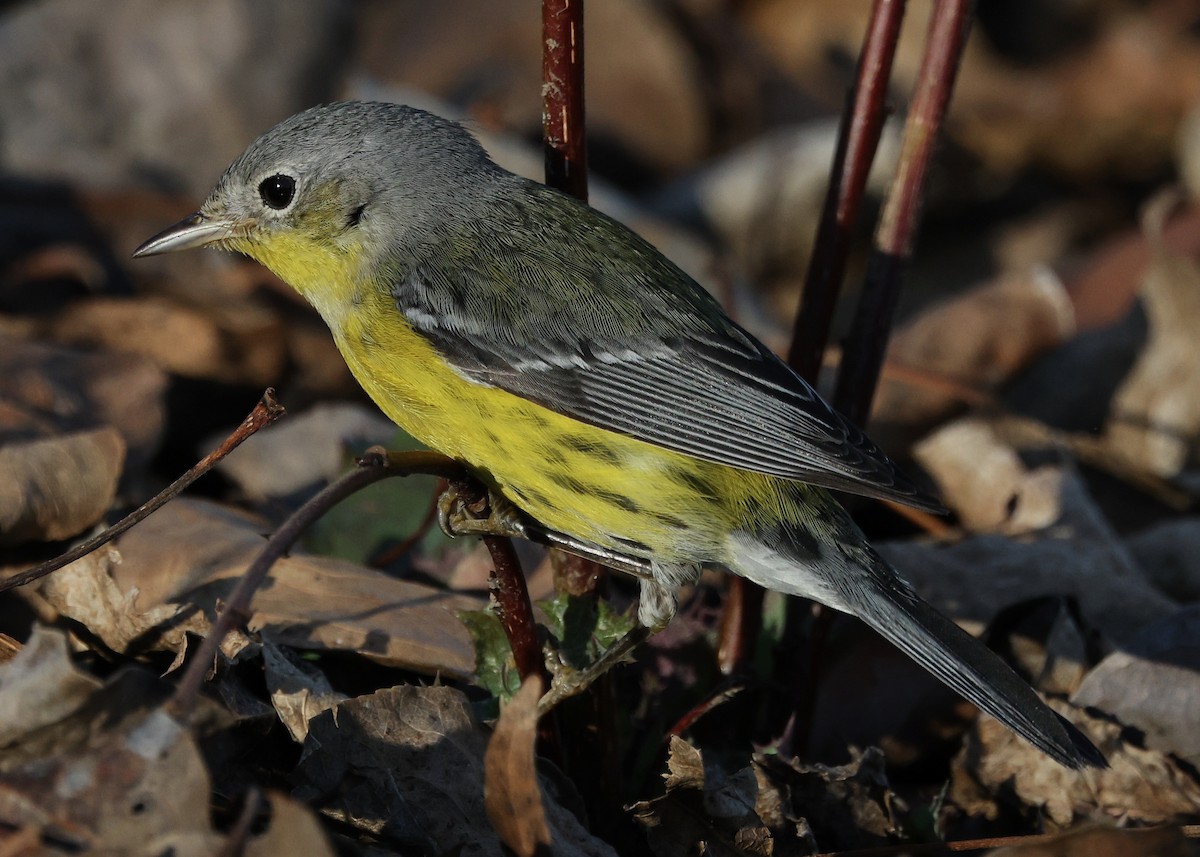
(631, 344)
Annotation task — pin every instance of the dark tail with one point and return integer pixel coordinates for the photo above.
(828, 559)
(965, 664)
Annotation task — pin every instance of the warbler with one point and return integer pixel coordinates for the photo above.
(582, 376)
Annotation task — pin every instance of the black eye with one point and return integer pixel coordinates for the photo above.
(277, 191)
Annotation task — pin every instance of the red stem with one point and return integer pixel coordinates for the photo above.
(858, 138)
(514, 608)
(867, 342)
(562, 96)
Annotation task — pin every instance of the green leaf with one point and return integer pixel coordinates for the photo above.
(584, 627)
(495, 667)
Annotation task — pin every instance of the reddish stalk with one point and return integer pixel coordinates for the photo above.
(562, 96)
(858, 138)
(867, 341)
(507, 582)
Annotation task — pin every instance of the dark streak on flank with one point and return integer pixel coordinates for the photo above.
(592, 448)
(568, 483)
(669, 520)
(619, 500)
(693, 482)
(634, 545)
(794, 540)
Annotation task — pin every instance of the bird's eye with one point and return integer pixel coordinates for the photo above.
(277, 191)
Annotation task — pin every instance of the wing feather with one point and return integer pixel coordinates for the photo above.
(627, 342)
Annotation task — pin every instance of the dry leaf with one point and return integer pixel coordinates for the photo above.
(982, 478)
(299, 691)
(40, 686)
(850, 806)
(1155, 416)
(1153, 684)
(304, 450)
(59, 389)
(1141, 786)
(117, 775)
(703, 808)
(1081, 557)
(511, 794)
(56, 487)
(247, 347)
(294, 831)
(167, 574)
(407, 765)
(977, 340)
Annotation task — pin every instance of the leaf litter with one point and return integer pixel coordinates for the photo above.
(360, 708)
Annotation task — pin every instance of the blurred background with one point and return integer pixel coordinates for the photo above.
(1044, 375)
(711, 126)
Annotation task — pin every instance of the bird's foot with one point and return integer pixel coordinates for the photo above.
(462, 511)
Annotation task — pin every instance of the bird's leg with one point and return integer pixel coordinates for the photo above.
(465, 510)
(462, 510)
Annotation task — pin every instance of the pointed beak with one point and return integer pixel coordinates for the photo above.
(194, 231)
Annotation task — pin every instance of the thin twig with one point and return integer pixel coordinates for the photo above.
(235, 843)
(267, 411)
(375, 465)
(562, 96)
(858, 138)
(867, 341)
(722, 694)
(741, 619)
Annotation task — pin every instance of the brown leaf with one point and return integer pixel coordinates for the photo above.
(117, 775)
(294, 831)
(849, 805)
(407, 764)
(703, 808)
(40, 686)
(976, 340)
(1081, 556)
(56, 487)
(299, 691)
(59, 389)
(1155, 415)
(511, 794)
(167, 574)
(1153, 684)
(1140, 786)
(982, 478)
(248, 347)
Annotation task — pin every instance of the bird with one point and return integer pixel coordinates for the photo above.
(583, 377)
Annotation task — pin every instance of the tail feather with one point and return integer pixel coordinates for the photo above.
(840, 570)
(973, 670)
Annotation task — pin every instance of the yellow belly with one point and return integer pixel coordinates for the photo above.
(596, 485)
